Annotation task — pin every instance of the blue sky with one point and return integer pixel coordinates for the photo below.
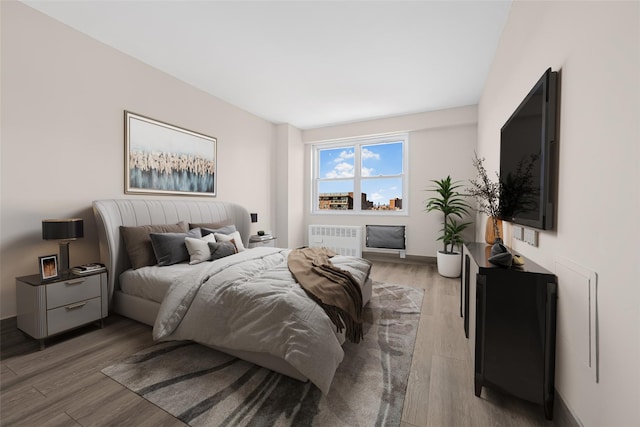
(377, 161)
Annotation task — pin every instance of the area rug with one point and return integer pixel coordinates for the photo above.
(204, 387)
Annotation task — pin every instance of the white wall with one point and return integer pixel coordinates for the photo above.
(596, 48)
(441, 143)
(289, 188)
(63, 97)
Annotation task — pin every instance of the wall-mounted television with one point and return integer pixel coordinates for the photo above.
(527, 157)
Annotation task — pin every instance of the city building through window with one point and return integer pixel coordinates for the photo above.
(365, 175)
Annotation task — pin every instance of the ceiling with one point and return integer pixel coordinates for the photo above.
(306, 63)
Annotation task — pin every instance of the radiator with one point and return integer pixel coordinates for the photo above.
(387, 237)
(342, 239)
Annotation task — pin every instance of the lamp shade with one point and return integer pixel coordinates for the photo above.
(62, 229)
(254, 217)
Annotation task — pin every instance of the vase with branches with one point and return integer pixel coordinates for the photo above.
(487, 194)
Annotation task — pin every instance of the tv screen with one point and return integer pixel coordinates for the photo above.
(527, 145)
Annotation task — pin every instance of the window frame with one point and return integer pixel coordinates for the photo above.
(357, 144)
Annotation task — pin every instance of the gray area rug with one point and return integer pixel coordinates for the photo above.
(204, 387)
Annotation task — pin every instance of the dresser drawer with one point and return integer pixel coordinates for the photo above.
(72, 315)
(73, 290)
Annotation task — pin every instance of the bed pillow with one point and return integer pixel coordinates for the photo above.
(198, 248)
(235, 237)
(170, 248)
(138, 243)
(221, 249)
(210, 225)
(227, 229)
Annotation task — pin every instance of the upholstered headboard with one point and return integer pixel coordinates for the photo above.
(111, 214)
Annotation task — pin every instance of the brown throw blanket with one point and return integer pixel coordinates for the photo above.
(334, 289)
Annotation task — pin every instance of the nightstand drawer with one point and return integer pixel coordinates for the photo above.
(73, 290)
(72, 315)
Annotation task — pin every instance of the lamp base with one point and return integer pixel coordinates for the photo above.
(64, 257)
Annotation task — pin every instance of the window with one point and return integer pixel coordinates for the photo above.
(361, 175)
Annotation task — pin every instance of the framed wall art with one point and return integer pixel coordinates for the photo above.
(48, 267)
(164, 159)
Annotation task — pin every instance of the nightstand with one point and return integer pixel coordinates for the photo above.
(256, 241)
(47, 308)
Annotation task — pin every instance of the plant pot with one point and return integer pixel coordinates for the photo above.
(449, 264)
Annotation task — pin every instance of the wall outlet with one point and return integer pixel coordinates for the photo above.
(530, 236)
(518, 232)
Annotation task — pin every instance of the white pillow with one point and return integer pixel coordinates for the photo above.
(199, 248)
(235, 236)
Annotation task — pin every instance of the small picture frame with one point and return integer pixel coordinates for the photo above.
(48, 267)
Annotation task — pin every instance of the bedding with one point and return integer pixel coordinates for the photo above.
(227, 229)
(137, 286)
(170, 248)
(232, 237)
(250, 301)
(199, 248)
(137, 241)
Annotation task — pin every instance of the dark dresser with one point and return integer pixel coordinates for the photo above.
(510, 320)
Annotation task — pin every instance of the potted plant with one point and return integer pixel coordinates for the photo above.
(451, 203)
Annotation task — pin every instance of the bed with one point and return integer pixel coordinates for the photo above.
(151, 309)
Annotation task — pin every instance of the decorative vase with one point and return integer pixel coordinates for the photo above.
(490, 231)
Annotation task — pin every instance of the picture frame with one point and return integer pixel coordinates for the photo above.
(48, 267)
(161, 158)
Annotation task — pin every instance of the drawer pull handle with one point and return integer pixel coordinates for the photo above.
(76, 305)
(74, 282)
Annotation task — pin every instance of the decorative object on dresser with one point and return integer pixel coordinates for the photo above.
(165, 159)
(213, 388)
(48, 265)
(81, 270)
(518, 359)
(452, 205)
(47, 308)
(63, 230)
(487, 194)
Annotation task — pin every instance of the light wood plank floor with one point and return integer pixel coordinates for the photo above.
(63, 386)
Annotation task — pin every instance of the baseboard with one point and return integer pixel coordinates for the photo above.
(10, 323)
(395, 257)
(562, 415)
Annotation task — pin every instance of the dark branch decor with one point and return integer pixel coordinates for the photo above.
(508, 196)
(165, 159)
(487, 194)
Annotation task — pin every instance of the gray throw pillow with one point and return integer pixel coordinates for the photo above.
(227, 229)
(169, 248)
(221, 249)
(138, 243)
(212, 225)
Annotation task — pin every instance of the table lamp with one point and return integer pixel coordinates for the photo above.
(64, 230)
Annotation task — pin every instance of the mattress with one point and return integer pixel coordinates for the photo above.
(152, 282)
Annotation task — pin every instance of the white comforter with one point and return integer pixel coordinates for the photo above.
(250, 301)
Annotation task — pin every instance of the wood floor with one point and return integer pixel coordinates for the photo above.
(63, 386)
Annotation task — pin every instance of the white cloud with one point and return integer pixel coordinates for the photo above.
(341, 170)
(368, 154)
(344, 155)
(367, 171)
(376, 197)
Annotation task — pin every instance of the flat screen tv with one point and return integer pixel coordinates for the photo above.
(527, 157)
